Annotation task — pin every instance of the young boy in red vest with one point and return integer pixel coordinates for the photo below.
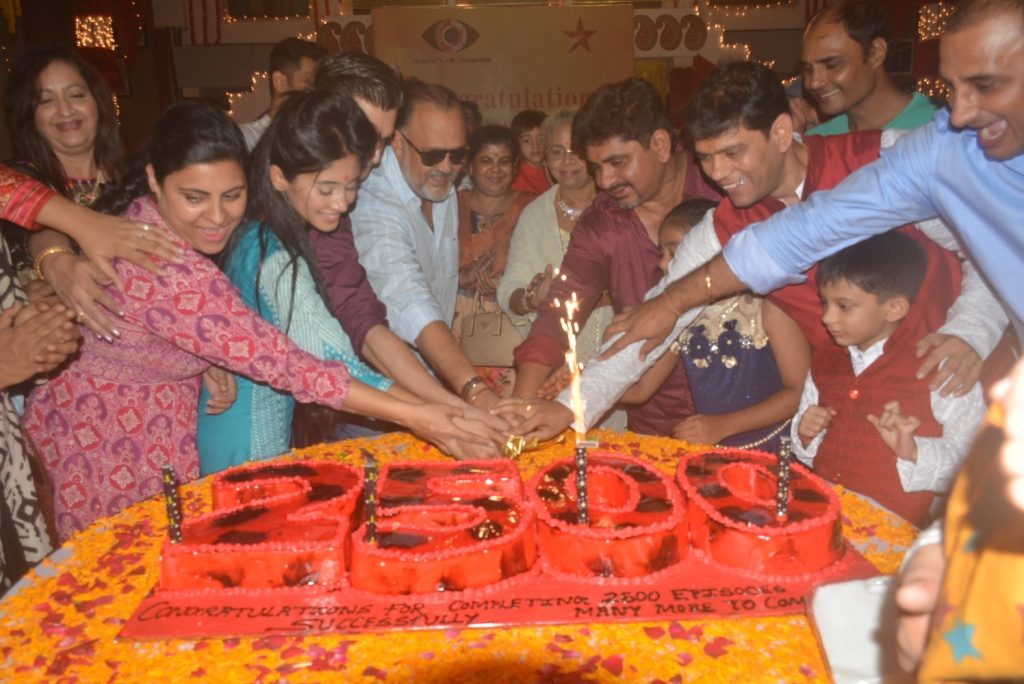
(865, 420)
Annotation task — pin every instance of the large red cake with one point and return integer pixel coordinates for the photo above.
(451, 526)
(636, 526)
(731, 505)
(273, 525)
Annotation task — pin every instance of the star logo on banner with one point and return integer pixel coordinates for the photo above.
(580, 36)
(959, 639)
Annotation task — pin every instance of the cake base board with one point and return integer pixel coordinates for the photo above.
(692, 590)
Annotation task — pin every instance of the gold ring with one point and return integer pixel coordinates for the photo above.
(80, 317)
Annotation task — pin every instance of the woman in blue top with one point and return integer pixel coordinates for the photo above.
(303, 176)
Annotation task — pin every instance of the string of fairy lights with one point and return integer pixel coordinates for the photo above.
(742, 10)
(932, 20)
(931, 24)
(95, 31)
(228, 18)
(722, 45)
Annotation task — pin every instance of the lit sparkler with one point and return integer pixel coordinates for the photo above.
(572, 328)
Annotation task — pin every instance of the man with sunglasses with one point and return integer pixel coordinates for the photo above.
(406, 230)
(624, 132)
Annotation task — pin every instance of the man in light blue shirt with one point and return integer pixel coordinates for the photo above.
(405, 226)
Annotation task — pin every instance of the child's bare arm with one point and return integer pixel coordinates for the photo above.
(644, 388)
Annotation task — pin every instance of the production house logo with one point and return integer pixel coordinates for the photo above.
(450, 35)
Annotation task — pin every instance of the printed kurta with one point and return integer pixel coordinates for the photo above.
(106, 424)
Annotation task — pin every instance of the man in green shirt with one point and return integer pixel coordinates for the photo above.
(843, 58)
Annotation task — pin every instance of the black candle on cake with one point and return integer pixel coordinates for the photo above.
(582, 515)
(782, 479)
(371, 473)
(173, 501)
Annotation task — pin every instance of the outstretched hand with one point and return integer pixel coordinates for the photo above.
(536, 418)
(650, 322)
(555, 383)
(80, 283)
(916, 597)
(958, 363)
(701, 429)
(447, 427)
(106, 238)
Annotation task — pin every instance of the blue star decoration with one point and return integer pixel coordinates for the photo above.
(972, 543)
(959, 639)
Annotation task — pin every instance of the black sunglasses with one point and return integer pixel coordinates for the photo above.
(435, 157)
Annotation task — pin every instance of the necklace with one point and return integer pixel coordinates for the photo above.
(84, 191)
(571, 213)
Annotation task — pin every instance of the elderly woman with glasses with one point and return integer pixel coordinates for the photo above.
(542, 237)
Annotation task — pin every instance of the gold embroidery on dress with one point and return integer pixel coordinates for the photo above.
(723, 329)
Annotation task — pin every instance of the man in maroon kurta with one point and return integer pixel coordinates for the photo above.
(643, 173)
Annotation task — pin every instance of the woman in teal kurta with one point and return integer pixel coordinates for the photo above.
(326, 143)
(258, 425)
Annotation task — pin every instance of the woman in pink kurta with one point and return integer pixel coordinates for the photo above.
(107, 423)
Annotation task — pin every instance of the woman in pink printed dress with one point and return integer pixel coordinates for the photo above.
(106, 424)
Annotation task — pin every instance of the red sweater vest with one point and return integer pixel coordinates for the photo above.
(852, 452)
(829, 160)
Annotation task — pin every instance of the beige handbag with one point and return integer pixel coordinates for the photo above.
(489, 338)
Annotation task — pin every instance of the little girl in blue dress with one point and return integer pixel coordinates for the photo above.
(744, 388)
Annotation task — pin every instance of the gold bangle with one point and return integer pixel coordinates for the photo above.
(49, 251)
(471, 384)
(472, 397)
(707, 282)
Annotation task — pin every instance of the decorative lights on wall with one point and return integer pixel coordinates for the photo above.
(714, 26)
(256, 79)
(932, 19)
(228, 18)
(931, 23)
(741, 10)
(933, 87)
(95, 31)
